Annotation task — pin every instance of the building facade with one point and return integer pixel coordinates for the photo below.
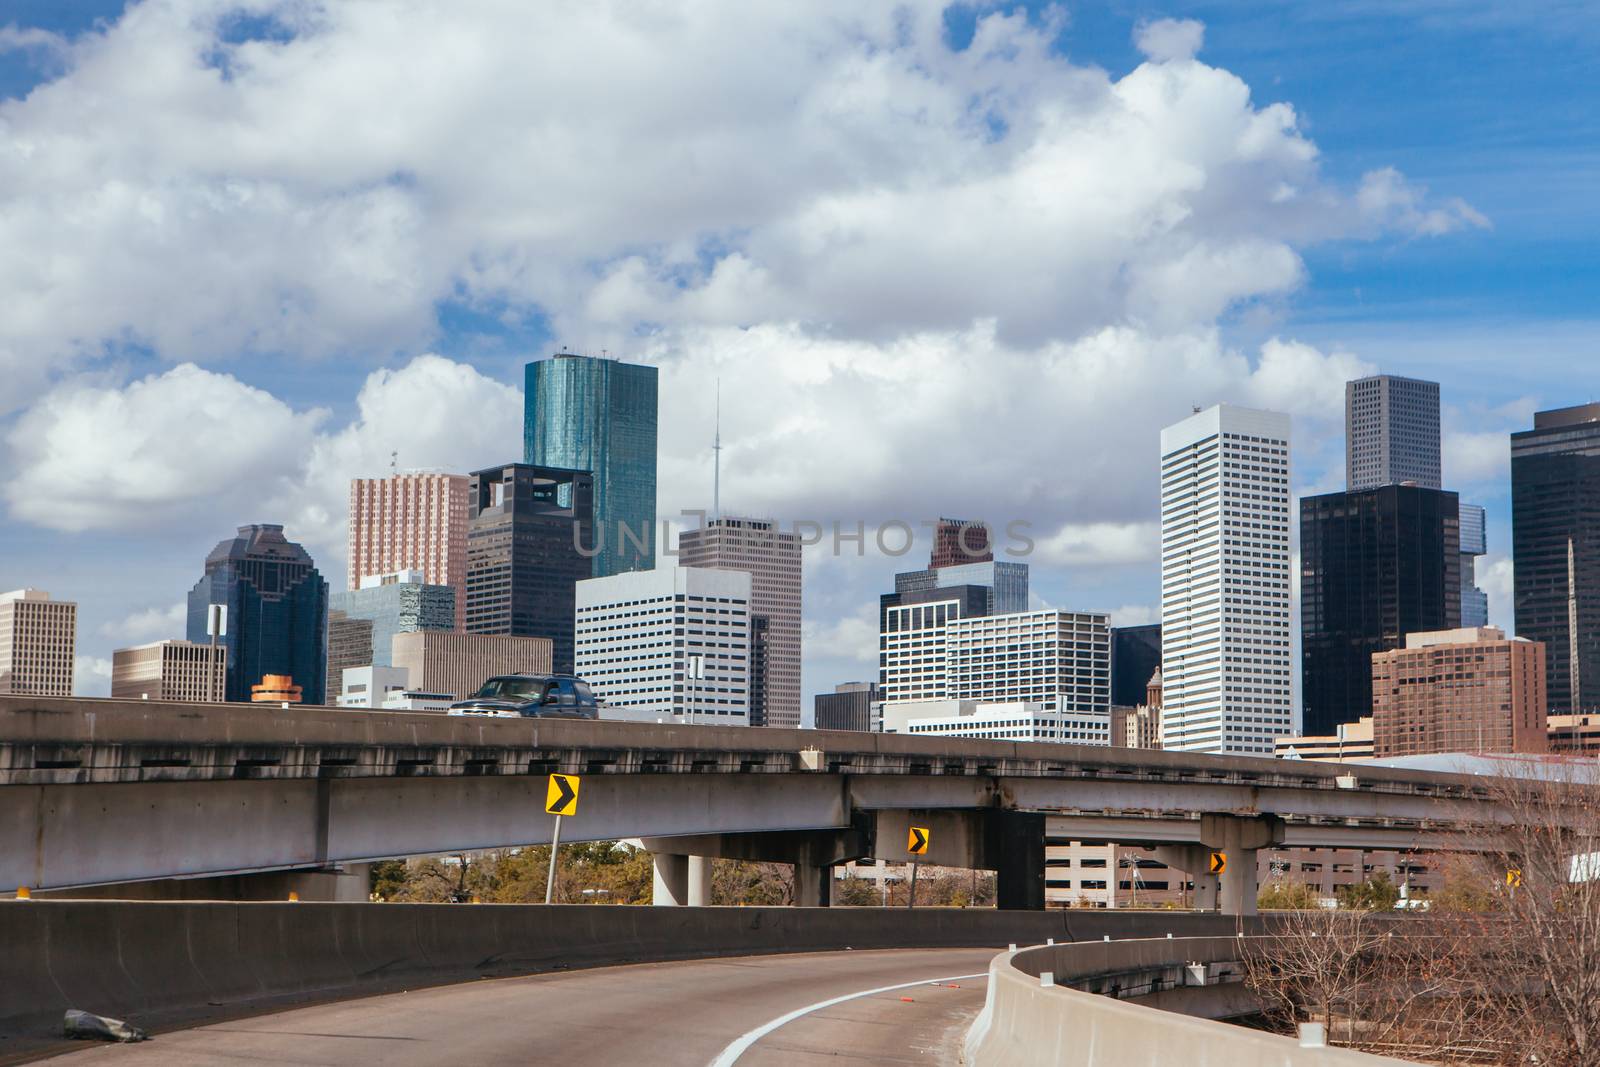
(1225, 600)
(599, 415)
(1391, 432)
(170, 670)
(1059, 660)
(670, 644)
(411, 522)
(1349, 741)
(1017, 720)
(526, 531)
(1555, 535)
(277, 612)
(394, 603)
(1474, 543)
(772, 559)
(1459, 691)
(38, 643)
(457, 665)
(1375, 565)
(849, 707)
(350, 645)
(958, 541)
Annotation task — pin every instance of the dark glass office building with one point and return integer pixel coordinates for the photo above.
(848, 707)
(277, 620)
(1135, 655)
(525, 526)
(1555, 536)
(1375, 565)
(599, 415)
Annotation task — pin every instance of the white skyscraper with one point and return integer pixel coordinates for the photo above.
(1225, 663)
(670, 644)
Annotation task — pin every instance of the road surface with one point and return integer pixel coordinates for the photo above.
(754, 1011)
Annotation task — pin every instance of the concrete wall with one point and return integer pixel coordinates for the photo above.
(1027, 1024)
(165, 964)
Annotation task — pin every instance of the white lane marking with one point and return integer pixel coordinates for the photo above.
(740, 1046)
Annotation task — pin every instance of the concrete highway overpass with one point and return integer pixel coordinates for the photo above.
(97, 792)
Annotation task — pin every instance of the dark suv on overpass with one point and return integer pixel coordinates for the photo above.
(534, 696)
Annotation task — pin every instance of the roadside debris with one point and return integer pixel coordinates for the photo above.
(86, 1026)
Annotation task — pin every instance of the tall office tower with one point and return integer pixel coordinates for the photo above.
(1555, 538)
(1057, 660)
(38, 640)
(1225, 638)
(848, 707)
(415, 522)
(912, 665)
(1135, 656)
(170, 670)
(277, 611)
(1461, 690)
(957, 541)
(457, 665)
(668, 644)
(1375, 565)
(1391, 432)
(1474, 543)
(772, 559)
(394, 603)
(599, 415)
(527, 527)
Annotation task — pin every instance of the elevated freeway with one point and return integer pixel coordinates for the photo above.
(102, 792)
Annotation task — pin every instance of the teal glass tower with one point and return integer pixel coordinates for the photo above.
(599, 415)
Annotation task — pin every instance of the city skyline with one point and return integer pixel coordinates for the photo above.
(845, 376)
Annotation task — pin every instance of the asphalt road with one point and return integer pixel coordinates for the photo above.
(650, 1015)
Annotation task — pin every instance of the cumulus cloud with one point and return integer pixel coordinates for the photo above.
(1100, 543)
(91, 676)
(1388, 199)
(1497, 577)
(1169, 40)
(148, 624)
(1474, 458)
(205, 192)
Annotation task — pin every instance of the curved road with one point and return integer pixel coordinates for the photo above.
(692, 1013)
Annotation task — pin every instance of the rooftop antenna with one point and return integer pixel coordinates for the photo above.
(716, 460)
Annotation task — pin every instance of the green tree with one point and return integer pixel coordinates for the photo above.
(1287, 896)
(1377, 893)
(388, 878)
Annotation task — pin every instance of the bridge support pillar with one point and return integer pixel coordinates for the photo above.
(699, 881)
(1194, 861)
(1239, 838)
(1013, 847)
(671, 885)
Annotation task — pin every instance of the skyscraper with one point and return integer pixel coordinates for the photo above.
(394, 604)
(960, 541)
(772, 559)
(1375, 565)
(38, 640)
(1460, 690)
(170, 670)
(1555, 536)
(848, 707)
(1474, 543)
(277, 611)
(414, 521)
(1225, 661)
(1391, 432)
(1135, 656)
(599, 415)
(527, 527)
(670, 643)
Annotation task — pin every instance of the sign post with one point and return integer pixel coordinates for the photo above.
(917, 845)
(560, 798)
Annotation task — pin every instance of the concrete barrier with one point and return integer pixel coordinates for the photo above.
(166, 963)
(1027, 1023)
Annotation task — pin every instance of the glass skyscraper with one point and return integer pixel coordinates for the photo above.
(277, 611)
(599, 415)
(396, 603)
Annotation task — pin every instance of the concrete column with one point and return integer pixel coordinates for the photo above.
(1239, 882)
(699, 881)
(813, 885)
(671, 879)
(1013, 842)
(1194, 861)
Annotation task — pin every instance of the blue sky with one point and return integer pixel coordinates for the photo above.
(1473, 103)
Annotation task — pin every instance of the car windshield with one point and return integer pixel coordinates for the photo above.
(511, 689)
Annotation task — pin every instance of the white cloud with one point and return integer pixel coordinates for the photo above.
(1497, 577)
(91, 676)
(1389, 200)
(850, 638)
(621, 170)
(149, 624)
(1135, 615)
(1099, 543)
(1472, 458)
(1169, 40)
